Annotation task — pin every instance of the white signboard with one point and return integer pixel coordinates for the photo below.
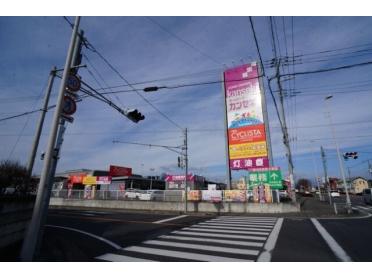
(212, 195)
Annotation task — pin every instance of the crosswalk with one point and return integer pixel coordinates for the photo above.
(222, 239)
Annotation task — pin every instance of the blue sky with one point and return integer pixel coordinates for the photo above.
(194, 49)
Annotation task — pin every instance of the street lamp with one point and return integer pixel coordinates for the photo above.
(348, 203)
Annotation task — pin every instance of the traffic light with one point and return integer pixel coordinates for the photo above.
(135, 115)
(348, 155)
(78, 56)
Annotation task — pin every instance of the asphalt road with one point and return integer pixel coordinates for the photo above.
(83, 235)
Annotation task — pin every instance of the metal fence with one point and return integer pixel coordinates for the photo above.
(169, 195)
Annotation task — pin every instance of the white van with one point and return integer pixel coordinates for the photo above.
(367, 196)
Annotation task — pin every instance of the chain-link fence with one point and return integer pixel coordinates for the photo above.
(271, 196)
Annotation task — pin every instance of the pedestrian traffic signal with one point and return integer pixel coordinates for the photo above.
(348, 155)
(135, 115)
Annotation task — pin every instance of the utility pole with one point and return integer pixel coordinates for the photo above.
(40, 124)
(340, 162)
(324, 160)
(285, 132)
(186, 169)
(266, 119)
(316, 173)
(32, 235)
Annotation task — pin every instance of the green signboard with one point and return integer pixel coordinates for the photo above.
(272, 177)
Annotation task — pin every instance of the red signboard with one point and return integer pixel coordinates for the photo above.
(245, 134)
(120, 171)
(170, 178)
(77, 179)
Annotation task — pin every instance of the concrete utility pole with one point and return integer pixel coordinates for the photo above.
(186, 169)
(266, 119)
(40, 124)
(32, 235)
(324, 160)
(316, 172)
(227, 151)
(285, 132)
(340, 162)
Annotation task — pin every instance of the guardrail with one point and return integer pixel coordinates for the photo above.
(271, 196)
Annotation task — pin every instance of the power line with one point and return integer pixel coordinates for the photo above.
(183, 41)
(93, 49)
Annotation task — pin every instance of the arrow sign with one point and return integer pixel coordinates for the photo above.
(274, 176)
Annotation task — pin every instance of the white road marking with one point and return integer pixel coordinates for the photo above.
(230, 227)
(169, 219)
(120, 258)
(225, 231)
(237, 225)
(203, 247)
(335, 247)
(231, 236)
(247, 218)
(265, 256)
(89, 234)
(183, 255)
(243, 222)
(221, 241)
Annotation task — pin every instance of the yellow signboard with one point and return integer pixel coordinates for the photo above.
(90, 180)
(248, 150)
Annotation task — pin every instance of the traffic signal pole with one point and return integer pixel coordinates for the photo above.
(32, 235)
(186, 169)
(285, 134)
(40, 124)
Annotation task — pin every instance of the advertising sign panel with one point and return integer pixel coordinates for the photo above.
(214, 196)
(194, 195)
(90, 180)
(103, 180)
(245, 122)
(235, 195)
(77, 179)
(120, 171)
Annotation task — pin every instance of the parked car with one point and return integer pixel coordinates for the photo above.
(367, 196)
(132, 193)
(335, 194)
(151, 195)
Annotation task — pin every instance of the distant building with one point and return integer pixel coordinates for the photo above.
(358, 184)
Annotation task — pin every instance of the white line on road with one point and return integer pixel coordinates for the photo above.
(203, 247)
(226, 231)
(230, 227)
(335, 247)
(183, 255)
(120, 258)
(169, 219)
(247, 218)
(89, 234)
(242, 222)
(265, 256)
(237, 225)
(221, 241)
(230, 236)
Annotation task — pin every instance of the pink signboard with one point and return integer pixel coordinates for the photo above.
(171, 178)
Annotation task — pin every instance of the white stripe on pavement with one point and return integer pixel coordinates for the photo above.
(221, 241)
(230, 227)
(265, 256)
(242, 222)
(363, 207)
(247, 218)
(120, 258)
(169, 219)
(335, 247)
(182, 255)
(225, 231)
(89, 234)
(230, 236)
(237, 225)
(203, 247)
